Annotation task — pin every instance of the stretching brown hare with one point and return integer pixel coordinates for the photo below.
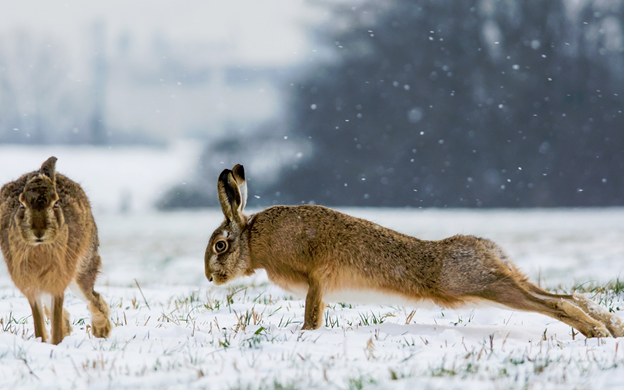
(49, 242)
(324, 253)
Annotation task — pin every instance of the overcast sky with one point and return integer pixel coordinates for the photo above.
(140, 34)
(266, 32)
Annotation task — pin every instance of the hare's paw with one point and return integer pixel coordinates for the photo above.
(101, 326)
(597, 331)
(610, 320)
(616, 326)
(311, 325)
(102, 331)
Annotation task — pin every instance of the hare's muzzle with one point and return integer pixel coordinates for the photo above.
(208, 258)
(39, 229)
(208, 274)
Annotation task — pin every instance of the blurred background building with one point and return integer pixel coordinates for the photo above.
(401, 103)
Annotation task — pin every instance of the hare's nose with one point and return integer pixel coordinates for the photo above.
(210, 279)
(39, 233)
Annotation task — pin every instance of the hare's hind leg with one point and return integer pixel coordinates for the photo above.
(561, 307)
(614, 324)
(100, 316)
(83, 288)
(38, 319)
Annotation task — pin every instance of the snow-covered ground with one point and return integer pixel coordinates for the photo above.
(114, 178)
(179, 331)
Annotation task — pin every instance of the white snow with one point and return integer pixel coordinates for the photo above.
(247, 334)
(115, 177)
(179, 331)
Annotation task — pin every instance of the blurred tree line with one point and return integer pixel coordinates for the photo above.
(462, 104)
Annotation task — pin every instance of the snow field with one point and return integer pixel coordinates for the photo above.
(114, 178)
(175, 330)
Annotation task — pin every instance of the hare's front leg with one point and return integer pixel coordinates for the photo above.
(314, 306)
(48, 305)
(37, 312)
(58, 327)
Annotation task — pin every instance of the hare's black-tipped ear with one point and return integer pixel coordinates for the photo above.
(230, 196)
(48, 168)
(239, 176)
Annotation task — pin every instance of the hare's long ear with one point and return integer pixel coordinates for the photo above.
(239, 176)
(48, 168)
(230, 196)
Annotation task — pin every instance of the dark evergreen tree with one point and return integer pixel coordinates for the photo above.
(462, 104)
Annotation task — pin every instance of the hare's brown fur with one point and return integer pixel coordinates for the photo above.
(49, 241)
(322, 251)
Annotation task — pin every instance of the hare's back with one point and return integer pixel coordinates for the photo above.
(317, 222)
(64, 186)
(76, 206)
(72, 192)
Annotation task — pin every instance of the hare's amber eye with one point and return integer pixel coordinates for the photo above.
(220, 246)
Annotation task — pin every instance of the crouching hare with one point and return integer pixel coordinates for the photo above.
(322, 253)
(49, 242)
